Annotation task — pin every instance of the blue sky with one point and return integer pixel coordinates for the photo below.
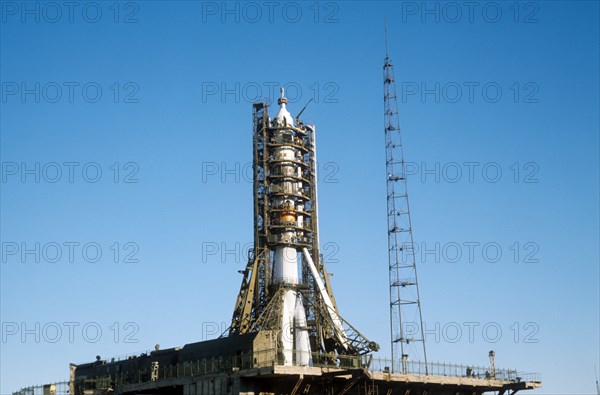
(125, 131)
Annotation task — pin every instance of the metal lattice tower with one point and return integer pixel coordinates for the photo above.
(406, 320)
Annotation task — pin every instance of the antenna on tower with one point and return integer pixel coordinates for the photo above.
(303, 108)
(385, 33)
(406, 320)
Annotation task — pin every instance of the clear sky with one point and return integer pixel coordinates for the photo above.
(126, 133)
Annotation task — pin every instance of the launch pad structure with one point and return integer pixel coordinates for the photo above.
(287, 335)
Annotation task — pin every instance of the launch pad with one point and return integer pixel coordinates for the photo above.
(274, 378)
(252, 364)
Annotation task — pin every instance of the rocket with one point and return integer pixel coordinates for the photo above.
(285, 289)
(288, 205)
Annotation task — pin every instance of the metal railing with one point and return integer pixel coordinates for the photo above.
(452, 370)
(58, 388)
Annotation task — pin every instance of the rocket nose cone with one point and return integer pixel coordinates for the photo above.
(284, 117)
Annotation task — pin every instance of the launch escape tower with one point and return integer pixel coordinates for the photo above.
(285, 286)
(406, 319)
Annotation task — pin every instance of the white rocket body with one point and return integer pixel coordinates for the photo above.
(294, 336)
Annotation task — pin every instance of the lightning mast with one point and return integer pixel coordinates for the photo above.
(406, 319)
